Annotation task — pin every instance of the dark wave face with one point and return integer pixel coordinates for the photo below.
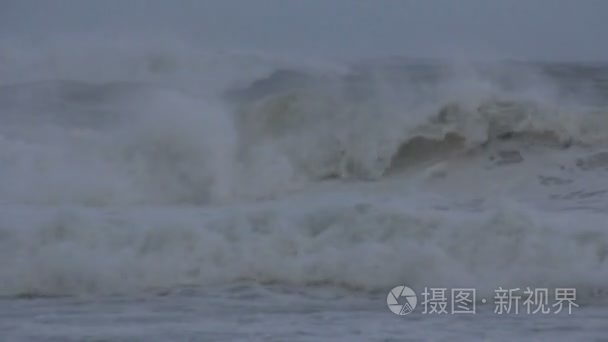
(391, 106)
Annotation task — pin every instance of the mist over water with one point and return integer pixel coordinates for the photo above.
(143, 160)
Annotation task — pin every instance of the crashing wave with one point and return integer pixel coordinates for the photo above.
(325, 131)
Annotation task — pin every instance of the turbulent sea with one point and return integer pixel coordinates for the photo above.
(155, 193)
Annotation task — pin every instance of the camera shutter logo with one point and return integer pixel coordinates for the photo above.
(401, 300)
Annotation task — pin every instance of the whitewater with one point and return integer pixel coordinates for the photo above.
(156, 191)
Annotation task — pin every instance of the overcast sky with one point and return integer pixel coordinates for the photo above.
(539, 29)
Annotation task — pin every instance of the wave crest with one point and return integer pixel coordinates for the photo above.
(327, 130)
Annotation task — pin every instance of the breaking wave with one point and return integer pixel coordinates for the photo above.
(174, 167)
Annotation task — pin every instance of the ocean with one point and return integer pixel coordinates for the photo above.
(163, 192)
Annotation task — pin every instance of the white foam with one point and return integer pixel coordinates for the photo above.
(362, 245)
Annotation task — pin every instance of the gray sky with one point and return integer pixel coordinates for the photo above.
(540, 29)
